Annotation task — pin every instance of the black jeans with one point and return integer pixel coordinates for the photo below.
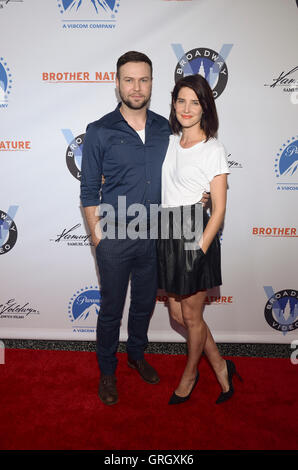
(118, 262)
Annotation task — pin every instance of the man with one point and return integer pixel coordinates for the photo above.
(127, 147)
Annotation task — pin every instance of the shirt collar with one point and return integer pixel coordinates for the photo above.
(116, 116)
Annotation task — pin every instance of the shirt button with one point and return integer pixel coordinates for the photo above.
(148, 182)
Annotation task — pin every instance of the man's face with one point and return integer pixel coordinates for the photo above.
(134, 84)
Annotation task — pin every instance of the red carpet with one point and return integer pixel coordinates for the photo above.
(49, 401)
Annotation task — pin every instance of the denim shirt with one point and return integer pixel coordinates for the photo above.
(130, 167)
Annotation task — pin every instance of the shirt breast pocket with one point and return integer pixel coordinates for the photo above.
(124, 152)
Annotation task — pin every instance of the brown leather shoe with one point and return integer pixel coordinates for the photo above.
(107, 389)
(145, 370)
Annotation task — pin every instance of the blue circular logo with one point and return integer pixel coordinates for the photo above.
(84, 306)
(286, 163)
(5, 80)
(281, 310)
(74, 156)
(207, 63)
(8, 233)
(107, 7)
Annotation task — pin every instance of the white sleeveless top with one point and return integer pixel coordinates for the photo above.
(187, 173)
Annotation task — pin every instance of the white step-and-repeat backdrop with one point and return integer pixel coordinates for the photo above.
(57, 73)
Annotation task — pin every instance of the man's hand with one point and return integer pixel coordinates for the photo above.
(92, 216)
(95, 241)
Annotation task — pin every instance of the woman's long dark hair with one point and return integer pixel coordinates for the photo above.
(209, 120)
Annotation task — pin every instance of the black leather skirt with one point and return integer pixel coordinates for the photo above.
(183, 268)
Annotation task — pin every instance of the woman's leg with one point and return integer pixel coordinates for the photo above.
(210, 348)
(192, 314)
(217, 362)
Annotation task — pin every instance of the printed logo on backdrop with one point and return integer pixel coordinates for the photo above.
(232, 163)
(72, 236)
(8, 230)
(83, 309)
(286, 165)
(88, 14)
(74, 152)
(5, 83)
(206, 62)
(15, 145)
(275, 232)
(4, 3)
(78, 77)
(17, 311)
(287, 81)
(281, 309)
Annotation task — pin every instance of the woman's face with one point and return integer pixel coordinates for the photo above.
(188, 108)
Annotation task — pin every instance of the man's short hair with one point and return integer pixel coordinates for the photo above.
(133, 56)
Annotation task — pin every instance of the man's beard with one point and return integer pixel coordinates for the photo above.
(131, 105)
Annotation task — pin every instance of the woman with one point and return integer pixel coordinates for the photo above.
(195, 162)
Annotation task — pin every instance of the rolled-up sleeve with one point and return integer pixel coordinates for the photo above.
(91, 171)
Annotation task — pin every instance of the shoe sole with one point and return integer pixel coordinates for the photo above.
(147, 381)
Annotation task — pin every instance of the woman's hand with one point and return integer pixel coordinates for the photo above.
(205, 199)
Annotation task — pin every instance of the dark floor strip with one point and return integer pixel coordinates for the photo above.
(226, 349)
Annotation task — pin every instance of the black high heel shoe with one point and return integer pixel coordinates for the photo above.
(224, 396)
(176, 400)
